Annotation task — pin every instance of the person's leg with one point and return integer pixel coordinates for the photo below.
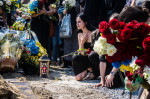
(80, 66)
(55, 44)
(81, 76)
(49, 47)
(94, 59)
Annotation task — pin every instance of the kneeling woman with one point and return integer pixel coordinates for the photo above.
(83, 68)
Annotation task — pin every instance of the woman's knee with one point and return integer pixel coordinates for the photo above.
(78, 78)
(81, 76)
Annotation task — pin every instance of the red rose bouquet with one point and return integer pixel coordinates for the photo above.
(130, 48)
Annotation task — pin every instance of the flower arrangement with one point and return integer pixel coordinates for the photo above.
(69, 3)
(5, 4)
(15, 4)
(130, 47)
(10, 50)
(9, 5)
(19, 24)
(102, 47)
(32, 51)
(35, 6)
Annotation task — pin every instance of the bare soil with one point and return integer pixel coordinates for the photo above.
(60, 84)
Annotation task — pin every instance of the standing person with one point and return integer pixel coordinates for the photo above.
(2, 18)
(91, 9)
(108, 7)
(81, 62)
(71, 44)
(40, 22)
(54, 37)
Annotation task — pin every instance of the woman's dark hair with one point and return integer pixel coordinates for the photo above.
(85, 19)
(131, 13)
(146, 4)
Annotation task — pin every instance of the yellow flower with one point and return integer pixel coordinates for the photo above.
(53, 6)
(31, 12)
(17, 5)
(127, 68)
(39, 54)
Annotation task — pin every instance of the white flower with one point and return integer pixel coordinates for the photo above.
(64, 2)
(72, 2)
(133, 65)
(111, 50)
(1, 3)
(99, 48)
(147, 74)
(5, 0)
(8, 3)
(102, 40)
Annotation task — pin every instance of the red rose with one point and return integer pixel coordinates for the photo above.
(120, 47)
(146, 42)
(122, 25)
(126, 55)
(132, 48)
(147, 50)
(129, 75)
(143, 60)
(119, 36)
(103, 26)
(111, 39)
(133, 22)
(114, 58)
(106, 33)
(114, 24)
(126, 34)
(143, 29)
(130, 26)
(88, 51)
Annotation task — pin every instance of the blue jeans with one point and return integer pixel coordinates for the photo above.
(54, 42)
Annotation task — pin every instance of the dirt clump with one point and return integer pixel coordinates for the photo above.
(8, 90)
(42, 93)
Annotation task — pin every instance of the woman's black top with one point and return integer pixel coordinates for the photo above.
(87, 45)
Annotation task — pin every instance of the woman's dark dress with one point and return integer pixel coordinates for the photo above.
(81, 63)
(41, 27)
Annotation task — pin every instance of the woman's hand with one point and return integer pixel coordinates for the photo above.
(42, 12)
(109, 80)
(102, 84)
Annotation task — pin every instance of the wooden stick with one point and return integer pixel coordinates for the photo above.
(130, 95)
